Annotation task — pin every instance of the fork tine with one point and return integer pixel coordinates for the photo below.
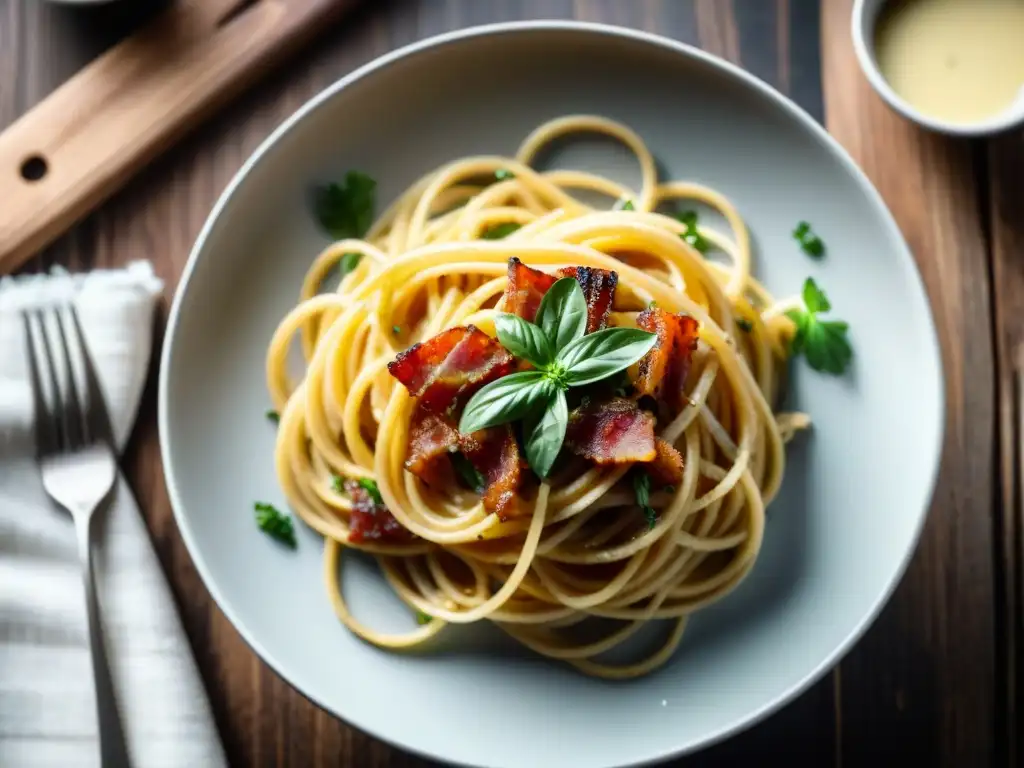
(73, 413)
(46, 429)
(59, 414)
(97, 416)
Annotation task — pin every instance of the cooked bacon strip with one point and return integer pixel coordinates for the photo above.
(667, 467)
(372, 522)
(432, 436)
(612, 431)
(525, 288)
(450, 366)
(663, 370)
(495, 454)
(598, 289)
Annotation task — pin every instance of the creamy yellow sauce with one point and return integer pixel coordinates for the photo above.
(961, 61)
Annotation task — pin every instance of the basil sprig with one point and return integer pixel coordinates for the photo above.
(563, 356)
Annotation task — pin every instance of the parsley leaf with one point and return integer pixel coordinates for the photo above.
(811, 244)
(624, 204)
(338, 483)
(499, 231)
(370, 486)
(346, 210)
(275, 524)
(642, 490)
(273, 416)
(423, 618)
(744, 324)
(469, 474)
(692, 235)
(823, 342)
(503, 173)
(396, 329)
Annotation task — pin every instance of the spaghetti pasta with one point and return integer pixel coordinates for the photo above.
(582, 548)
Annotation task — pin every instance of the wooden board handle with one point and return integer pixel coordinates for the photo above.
(89, 136)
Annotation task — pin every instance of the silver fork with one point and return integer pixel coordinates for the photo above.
(74, 448)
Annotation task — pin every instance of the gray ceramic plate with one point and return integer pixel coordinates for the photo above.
(857, 488)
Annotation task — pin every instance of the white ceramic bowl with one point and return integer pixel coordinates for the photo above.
(865, 16)
(857, 487)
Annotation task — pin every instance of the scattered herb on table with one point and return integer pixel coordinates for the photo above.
(811, 244)
(563, 356)
(823, 342)
(275, 524)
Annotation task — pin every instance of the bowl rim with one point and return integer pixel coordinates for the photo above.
(862, 27)
(383, 61)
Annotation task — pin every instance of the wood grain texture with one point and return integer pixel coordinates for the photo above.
(922, 683)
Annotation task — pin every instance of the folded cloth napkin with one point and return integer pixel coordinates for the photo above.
(47, 705)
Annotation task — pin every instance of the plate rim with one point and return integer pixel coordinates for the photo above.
(780, 100)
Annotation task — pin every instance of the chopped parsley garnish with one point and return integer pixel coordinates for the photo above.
(273, 416)
(692, 235)
(469, 474)
(499, 231)
(642, 489)
(624, 204)
(744, 324)
(423, 618)
(346, 210)
(370, 486)
(652, 305)
(338, 483)
(822, 342)
(396, 329)
(349, 262)
(275, 524)
(503, 173)
(811, 244)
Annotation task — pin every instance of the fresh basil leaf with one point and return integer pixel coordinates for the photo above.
(507, 399)
(814, 298)
(562, 313)
(524, 340)
(600, 354)
(544, 437)
(826, 347)
(346, 210)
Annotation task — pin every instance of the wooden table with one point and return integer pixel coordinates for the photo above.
(936, 679)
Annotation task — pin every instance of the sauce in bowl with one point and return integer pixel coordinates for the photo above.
(960, 61)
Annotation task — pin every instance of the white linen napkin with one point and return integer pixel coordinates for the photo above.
(47, 704)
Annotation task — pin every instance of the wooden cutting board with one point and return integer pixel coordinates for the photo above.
(79, 145)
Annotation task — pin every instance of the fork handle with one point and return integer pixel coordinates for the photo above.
(113, 749)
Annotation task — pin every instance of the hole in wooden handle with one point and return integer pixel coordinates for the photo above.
(34, 168)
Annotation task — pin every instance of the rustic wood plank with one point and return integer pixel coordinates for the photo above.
(158, 215)
(1006, 175)
(922, 682)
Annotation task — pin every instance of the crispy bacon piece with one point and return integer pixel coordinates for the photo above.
(495, 454)
(372, 522)
(663, 370)
(599, 290)
(667, 466)
(611, 431)
(525, 288)
(452, 365)
(431, 436)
